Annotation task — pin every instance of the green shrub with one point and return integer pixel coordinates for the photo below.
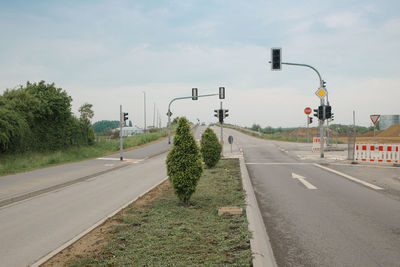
(184, 166)
(210, 148)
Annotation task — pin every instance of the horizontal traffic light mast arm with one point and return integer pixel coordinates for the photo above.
(186, 97)
(305, 65)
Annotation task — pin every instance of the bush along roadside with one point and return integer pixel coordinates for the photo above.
(210, 148)
(184, 165)
(167, 232)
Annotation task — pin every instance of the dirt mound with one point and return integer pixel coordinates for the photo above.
(392, 131)
(370, 133)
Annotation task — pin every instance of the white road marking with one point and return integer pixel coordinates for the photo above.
(278, 163)
(349, 177)
(303, 181)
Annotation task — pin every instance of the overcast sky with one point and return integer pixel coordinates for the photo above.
(108, 52)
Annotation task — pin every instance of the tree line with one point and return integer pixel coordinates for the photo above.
(38, 117)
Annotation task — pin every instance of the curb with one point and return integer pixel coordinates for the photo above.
(260, 242)
(48, 256)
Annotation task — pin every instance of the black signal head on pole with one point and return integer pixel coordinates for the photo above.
(194, 94)
(222, 93)
(125, 116)
(276, 60)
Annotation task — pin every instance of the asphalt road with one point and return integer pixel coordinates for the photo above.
(38, 220)
(318, 218)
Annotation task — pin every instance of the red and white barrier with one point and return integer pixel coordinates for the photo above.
(316, 145)
(377, 153)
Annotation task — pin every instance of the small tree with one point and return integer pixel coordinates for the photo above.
(210, 148)
(184, 166)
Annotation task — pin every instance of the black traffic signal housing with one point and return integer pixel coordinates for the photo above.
(321, 112)
(222, 93)
(310, 120)
(226, 113)
(125, 116)
(328, 112)
(194, 94)
(276, 54)
(221, 116)
(315, 112)
(216, 112)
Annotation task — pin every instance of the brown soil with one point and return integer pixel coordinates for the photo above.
(371, 133)
(392, 131)
(96, 240)
(370, 140)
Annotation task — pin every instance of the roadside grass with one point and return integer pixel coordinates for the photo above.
(19, 162)
(277, 137)
(167, 233)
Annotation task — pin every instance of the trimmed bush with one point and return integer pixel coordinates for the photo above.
(210, 148)
(184, 166)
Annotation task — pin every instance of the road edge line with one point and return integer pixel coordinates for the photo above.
(259, 242)
(51, 254)
(349, 177)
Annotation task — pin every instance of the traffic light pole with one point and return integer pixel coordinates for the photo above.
(321, 84)
(120, 133)
(308, 129)
(169, 113)
(222, 136)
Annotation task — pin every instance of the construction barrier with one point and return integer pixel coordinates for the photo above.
(316, 145)
(377, 153)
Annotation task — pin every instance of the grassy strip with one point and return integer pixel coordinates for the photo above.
(14, 163)
(276, 137)
(168, 233)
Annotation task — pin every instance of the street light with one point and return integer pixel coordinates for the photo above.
(144, 106)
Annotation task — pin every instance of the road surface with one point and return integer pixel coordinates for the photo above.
(315, 217)
(35, 220)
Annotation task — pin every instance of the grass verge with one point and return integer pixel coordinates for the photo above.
(14, 163)
(165, 232)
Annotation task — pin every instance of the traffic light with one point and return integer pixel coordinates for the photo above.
(328, 112)
(222, 93)
(315, 113)
(194, 94)
(309, 120)
(276, 63)
(332, 117)
(323, 84)
(125, 116)
(226, 113)
(321, 112)
(221, 116)
(216, 112)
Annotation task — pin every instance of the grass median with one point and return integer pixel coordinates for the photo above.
(165, 232)
(19, 162)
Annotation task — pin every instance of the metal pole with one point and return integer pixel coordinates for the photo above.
(154, 115)
(354, 131)
(144, 106)
(222, 138)
(308, 129)
(120, 133)
(327, 132)
(374, 135)
(169, 111)
(321, 84)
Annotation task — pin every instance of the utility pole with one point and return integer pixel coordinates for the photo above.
(120, 133)
(144, 106)
(222, 137)
(154, 115)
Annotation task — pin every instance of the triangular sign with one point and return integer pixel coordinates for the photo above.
(375, 118)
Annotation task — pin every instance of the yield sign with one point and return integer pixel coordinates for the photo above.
(375, 118)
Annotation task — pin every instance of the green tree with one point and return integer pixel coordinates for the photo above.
(86, 124)
(104, 125)
(210, 148)
(184, 165)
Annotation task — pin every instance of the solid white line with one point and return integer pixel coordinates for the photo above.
(85, 232)
(278, 163)
(350, 177)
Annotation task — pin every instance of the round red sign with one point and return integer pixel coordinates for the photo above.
(307, 111)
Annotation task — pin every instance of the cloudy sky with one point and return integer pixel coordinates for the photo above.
(108, 52)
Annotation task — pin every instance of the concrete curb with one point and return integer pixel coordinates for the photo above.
(260, 243)
(82, 234)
